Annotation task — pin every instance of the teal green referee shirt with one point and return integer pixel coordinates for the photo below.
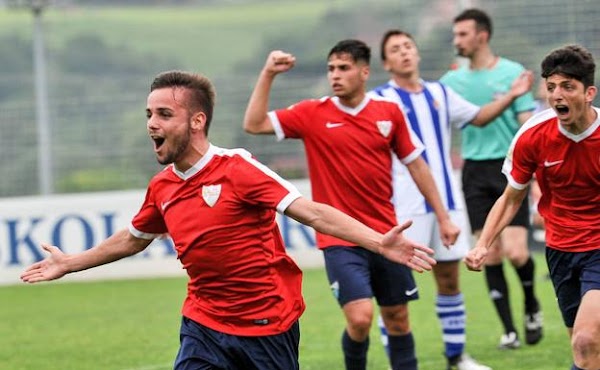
(481, 87)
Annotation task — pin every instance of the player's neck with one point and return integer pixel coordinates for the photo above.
(352, 101)
(483, 59)
(194, 152)
(584, 123)
(410, 83)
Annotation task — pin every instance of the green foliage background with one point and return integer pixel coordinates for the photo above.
(101, 59)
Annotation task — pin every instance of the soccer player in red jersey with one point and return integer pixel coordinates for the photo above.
(244, 292)
(561, 147)
(349, 139)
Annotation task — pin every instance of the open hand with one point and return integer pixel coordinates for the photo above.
(397, 248)
(50, 268)
(522, 84)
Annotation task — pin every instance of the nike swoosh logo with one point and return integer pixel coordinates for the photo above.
(550, 164)
(164, 205)
(333, 125)
(411, 292)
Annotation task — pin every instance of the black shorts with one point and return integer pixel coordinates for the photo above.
(204, 348)
(483, 183)
(573, 274)
(356, 273)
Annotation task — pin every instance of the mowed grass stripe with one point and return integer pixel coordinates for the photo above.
(133, 324)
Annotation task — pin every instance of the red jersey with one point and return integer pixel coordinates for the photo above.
(349, 155)
(567, 167)
(221, 216)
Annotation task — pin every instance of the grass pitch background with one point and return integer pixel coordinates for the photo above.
(133, 325)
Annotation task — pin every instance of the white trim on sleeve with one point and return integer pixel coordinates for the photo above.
(142, 235)
(276, 125)
(287, 200)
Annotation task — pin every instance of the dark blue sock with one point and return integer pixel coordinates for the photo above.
(355, 353)
(402, 352)
(574, 367)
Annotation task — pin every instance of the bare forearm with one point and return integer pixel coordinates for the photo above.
(328, 220)
(426, 184)
(120, 245)
(258, 105)
(501, 214)
(490, 111)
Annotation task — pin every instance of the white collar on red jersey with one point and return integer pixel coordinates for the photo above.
(352, 111)
(184, 175)
(588, 132)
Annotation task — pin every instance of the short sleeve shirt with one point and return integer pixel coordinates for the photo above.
(349, 155)
(431, 113)
(567, 168)
(221, 216)
(481, 87)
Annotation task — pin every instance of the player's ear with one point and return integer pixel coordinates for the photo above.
(590, 94)
(198, 121)
(365, 71)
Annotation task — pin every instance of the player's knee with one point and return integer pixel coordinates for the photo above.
(360, 322)
(517, 256)
(586, 349)
(396, 321)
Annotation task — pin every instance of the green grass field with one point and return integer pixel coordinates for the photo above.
(133, 325)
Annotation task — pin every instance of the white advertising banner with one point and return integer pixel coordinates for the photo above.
(76, 222)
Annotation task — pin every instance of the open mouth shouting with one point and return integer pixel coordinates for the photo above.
(562, 111)
(158, 142)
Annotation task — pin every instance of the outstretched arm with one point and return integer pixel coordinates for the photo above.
(503, 211)
(421, 174)
(256, 120)
(521, 85)
(392, 245)
(121, 244)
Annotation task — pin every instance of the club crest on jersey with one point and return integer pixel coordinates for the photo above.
(211, 193)
(385, 127)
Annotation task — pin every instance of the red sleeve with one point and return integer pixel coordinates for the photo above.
(294, 119)
(256, 184)
(149, 220)
(520, 163)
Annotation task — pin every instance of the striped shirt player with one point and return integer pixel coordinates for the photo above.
(220, 213)
(431, 114)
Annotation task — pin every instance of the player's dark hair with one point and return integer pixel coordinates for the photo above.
(358, 50)
(201, 91)
(573, 61)
(387, 36)
(483, 22)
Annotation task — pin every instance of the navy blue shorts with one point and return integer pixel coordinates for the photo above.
(206, 349)
(573, 274)
(357, 273)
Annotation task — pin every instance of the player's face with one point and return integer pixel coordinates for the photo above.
(347, 78)
(401, 56)
(570, 100)
(169, 124)
(466, 38)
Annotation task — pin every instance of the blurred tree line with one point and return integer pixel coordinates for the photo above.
(89, 67)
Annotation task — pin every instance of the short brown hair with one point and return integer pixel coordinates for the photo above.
(201, 90)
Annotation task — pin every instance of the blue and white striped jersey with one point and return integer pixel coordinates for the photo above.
(431, 113)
